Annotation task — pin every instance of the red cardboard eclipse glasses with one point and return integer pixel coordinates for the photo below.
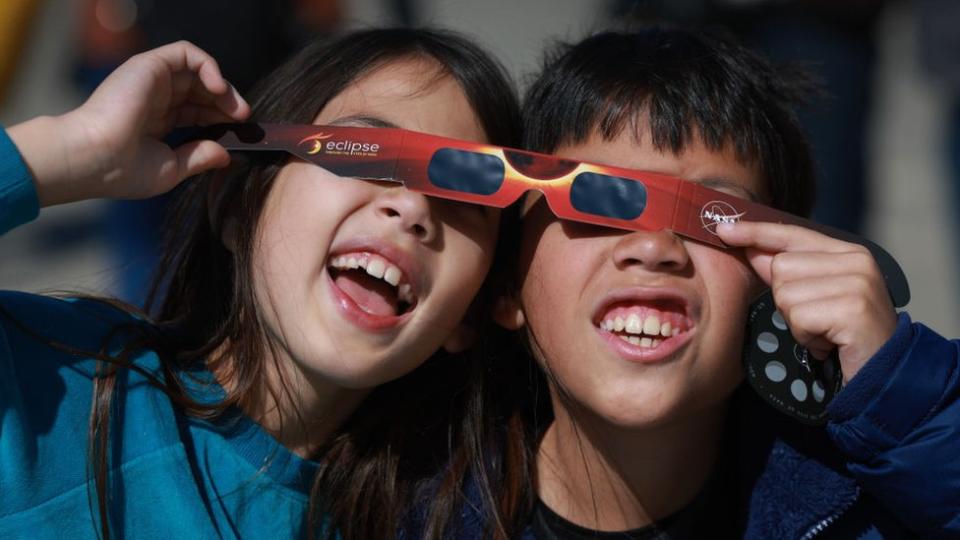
(495, 176)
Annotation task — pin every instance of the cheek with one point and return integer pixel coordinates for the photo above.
(551, 278)
(731, 286)
(465, 262)
(725, 273)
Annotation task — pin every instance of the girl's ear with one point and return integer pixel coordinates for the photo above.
(461, 338)
(508, 313)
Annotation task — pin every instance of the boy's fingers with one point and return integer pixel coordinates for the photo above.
(778, 237)
(788, 266)
(810, 289)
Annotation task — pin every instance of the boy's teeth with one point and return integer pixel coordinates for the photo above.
(353, 263)
(633, 324)
(645, 342)
(651, 326)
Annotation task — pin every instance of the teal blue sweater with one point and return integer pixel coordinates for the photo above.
(173, 476)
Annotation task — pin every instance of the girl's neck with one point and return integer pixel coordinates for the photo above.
(299, 412)
(609, 478)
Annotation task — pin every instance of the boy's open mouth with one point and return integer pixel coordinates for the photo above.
(375, 284)
(645, 324)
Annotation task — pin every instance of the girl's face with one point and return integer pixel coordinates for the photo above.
(641, 329)
(359, 282)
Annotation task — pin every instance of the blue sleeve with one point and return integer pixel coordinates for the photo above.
(898, 423)
(18, 195)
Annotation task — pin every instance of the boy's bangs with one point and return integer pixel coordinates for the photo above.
(679, 86)
(672, 126)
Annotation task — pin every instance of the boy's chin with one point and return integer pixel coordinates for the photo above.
(636, 410)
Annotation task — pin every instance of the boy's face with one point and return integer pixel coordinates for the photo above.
(577, 280)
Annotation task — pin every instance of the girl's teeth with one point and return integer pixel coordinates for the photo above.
(391, 275)
(665, 329)
(376, 268)
(619, 324)
(405, 293)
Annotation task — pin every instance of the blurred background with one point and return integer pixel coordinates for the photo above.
(887, 140)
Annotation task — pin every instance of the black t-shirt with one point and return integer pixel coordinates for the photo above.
(709, 515)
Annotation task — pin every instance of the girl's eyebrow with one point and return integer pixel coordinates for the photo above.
(723, 183)
(363, 120)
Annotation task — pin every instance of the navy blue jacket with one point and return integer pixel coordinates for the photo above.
(886, 466)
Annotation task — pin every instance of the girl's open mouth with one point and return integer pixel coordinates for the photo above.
(373, 283)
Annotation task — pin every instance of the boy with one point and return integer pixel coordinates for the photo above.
(650, 437)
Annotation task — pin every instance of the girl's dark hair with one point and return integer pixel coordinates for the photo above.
(680, 84)
(373, 466)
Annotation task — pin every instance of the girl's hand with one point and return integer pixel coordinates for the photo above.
(112, 145)
(831, 293)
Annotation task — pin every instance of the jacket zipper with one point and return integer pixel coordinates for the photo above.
(829, 520)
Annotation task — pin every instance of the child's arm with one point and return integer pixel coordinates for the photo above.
(111, 146)
(898, 419)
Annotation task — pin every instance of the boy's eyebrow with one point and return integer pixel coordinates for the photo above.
(363, 120)
(723, 183)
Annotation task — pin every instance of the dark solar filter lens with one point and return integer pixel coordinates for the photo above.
(608, 196)
(466, 172)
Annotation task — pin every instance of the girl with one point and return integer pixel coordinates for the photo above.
(641, 432)
(273, 382)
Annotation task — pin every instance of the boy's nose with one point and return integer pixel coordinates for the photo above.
(661, 251)
(409, 210)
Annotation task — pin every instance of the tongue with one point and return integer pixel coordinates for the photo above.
(371, 294)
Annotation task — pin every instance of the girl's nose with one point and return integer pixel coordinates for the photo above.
(660, 251)
(409, 210)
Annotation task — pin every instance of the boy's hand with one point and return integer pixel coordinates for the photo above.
(831, 293)
(111, 146)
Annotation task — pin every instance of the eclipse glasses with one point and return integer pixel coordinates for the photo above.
(495, 176)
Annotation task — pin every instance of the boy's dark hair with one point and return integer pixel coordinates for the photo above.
(681, 84)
